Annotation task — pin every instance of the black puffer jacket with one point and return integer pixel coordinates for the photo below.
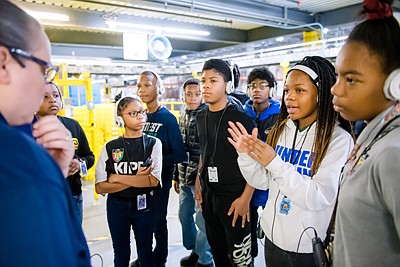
(186, 173)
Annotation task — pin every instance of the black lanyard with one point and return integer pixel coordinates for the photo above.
(215, 134)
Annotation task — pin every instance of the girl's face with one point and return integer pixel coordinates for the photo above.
(134, 116)
(358, 92)
(300, 96)
(192, 96)
(213, 87)
(51, 103)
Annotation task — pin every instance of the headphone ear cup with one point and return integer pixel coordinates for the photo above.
(160, 88)
(272, 92)
(391, 88)
(119, 122)
(229, 87)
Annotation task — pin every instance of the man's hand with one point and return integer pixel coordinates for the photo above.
(53, 136)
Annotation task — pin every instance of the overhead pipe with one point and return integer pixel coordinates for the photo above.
(262, 23)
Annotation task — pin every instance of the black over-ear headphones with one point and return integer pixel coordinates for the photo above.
(160, 86)
(391, 88)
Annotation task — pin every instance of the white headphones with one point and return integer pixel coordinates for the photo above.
(160, 86)
(391, 88)
(59, 92)
(119, 121)
(230, 86)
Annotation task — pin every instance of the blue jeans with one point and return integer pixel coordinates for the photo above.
(193, 238)
(78, 201)
(161, 197)
(121, 216)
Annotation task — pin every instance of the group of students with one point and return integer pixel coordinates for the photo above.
(304, 156)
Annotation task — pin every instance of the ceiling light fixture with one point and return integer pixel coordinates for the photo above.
(48, 16)
(164, 30)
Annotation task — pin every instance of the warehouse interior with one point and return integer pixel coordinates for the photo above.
(102, 45)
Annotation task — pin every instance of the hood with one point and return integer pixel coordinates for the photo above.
(274, 108)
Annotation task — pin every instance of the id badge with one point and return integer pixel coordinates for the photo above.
(83, 166)
(212, 174)
(141, 202)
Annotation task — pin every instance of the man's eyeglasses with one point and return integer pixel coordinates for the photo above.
(135, 114)
(261, 86)
(49, 70)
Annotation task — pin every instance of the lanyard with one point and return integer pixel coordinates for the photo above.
(215, 134)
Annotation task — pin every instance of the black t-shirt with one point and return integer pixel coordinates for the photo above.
(125, 155)
(230, 179)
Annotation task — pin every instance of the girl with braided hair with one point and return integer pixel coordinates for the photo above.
(367, 230)
(300, 163)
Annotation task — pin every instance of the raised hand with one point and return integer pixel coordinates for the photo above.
(239, 136)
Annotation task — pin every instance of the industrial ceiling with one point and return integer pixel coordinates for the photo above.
(233, 26)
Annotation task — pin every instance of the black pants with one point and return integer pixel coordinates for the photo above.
(161, 197)
(253, 223)
(276, 257)
(230, 246)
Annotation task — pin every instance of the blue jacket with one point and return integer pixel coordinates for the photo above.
(39, 225)
(264, 123)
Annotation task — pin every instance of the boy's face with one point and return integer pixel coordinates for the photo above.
(259, 91)
(192, 96)
(213, 87)
(147, 88)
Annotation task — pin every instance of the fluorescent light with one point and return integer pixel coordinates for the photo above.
(48, 16)
(280, 39)
(114, 24)
(326, 30)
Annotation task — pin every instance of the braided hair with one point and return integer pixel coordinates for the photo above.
(326, 115)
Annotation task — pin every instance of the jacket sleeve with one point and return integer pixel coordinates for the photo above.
(254, 174)
(178, 152)
(156, 156)
(319, 191)
(388, 169)
(101, 173)
(84, 151)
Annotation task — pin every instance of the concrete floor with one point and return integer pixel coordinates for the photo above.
(98, 236)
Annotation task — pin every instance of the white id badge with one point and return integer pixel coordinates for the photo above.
(141, 202)
(212, 174)
(83, 168)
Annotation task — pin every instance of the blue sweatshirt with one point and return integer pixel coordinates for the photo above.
(264, 123)
(163, 125)
(39, 225)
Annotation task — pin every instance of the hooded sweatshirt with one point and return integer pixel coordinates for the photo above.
(298, 199)
(264, 123)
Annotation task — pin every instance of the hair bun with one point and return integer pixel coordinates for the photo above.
(376, 9)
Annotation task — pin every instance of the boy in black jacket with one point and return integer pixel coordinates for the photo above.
(194, 238)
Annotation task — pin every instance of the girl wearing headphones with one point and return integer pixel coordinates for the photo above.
(300, 164)
(367, 227)
(83, 158)
(128, 169)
